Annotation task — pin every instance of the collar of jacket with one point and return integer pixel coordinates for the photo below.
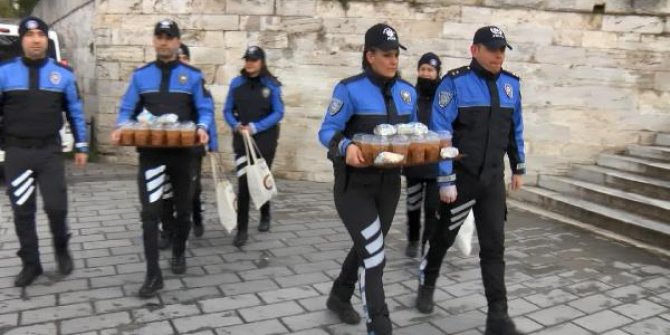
(247, 77)
(381, 82)
(34, 62)
(167, 65)
(482, 72)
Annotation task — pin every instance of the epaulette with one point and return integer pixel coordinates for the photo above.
(188, 66)
(144, 66)
(511, 74)
(405, 81)
(353, 78)
(7, 61)
(459, 71)
(64, 66)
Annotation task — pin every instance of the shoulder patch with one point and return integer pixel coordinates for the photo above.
(405, 82)
(444, 98)
(272, 81)
(513, 75)
(191, 67)
(144, 66)
(458, 72)
(335, 106)
(353, 78)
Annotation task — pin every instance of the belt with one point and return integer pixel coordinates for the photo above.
(27, 142)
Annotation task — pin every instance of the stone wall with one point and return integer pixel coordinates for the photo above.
(592, 81)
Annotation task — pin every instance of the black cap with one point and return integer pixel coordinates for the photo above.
(30, 23)
(167, 27)
(254, 53)
(432, 60)
(184, 50)
(382, 36)
(492, 37)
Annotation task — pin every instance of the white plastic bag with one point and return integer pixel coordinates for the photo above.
(261, 183)
(226, 199)
(464, 238)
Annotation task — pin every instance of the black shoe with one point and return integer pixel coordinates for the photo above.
(27, 275)
(64, 261)
(344, 310)
(501, 325)
(264, 225)
(151, 286)
(198, 230)
(424, 299)
(164, 240)
(178, 264)
(412, 249)
(240, 239)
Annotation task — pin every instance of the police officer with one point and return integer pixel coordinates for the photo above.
(168, 218)
(366, 197)
(481, 104)
(422, 180)
(34, 91)
(254, 105)
(166, 86)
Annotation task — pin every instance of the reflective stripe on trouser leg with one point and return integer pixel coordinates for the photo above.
(155, 180)
(374, 246)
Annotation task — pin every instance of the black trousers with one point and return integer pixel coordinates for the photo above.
(420, 192)
(26, 169)
(155, 167)
(168, 213)
(366, 203)
(268, 148)
(487, 200)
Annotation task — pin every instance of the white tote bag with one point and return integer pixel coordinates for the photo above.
(261, 184)
(464, 237)
(226, 199)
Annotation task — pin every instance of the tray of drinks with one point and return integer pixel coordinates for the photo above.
(159, 135)
(404, 151)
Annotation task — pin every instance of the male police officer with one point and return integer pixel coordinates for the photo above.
(166, 86)
(481, 105)
(35, 90)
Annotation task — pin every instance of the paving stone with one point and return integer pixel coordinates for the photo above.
(9, 320)
(555, 315)
(155, 328)
(602, 321)
(551, 298)
(269, 272)
(249, 286)
(652, 326)
(291, 293)
(310, 320)
(188, 296)
(641, 309)
(56, 287)
(270, 311)
(89, 295)
(16, 305)
(95, 322)
(201, 322)
(55, 313)
(43, 329)
(594, 303)
(461, 322)
(164, 312)
(228, 303)
(302, 279)
(111, 305)
(463, 304)
(567, 328)
(268, 327)
(423, 329)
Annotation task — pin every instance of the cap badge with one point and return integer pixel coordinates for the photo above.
(509, 91)
(390, 34)
(433, 62)
(497, 33)
(252, 50)
(165, 24)
(406, 97)
(32, 24)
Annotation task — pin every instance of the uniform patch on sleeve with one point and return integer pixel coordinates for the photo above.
(335, 106)
(444, 98)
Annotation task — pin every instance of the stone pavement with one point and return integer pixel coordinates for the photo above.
(561, 280)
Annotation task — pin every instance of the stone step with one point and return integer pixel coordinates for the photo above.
(651, 187)
(626, 201)
(612, 219)
(662, 139)
(649, 151)
(643, 166)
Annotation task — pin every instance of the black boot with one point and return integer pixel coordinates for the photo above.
(63, 258)
(500, 325)
(424, 299)
(198, 229)
(240, 238)
(178, 264)
(264, 225)
(164, 240)
(412, 249)
(28, 274)
(339, 301)
(151, 286)
(381, 323)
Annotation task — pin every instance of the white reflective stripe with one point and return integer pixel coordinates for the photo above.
(521, 166)
(18, 180)
(413, 207)
(460, 216)
(24, 187)
(150, 174)
(241, 172)
(375, 245)
(415, 188)
(364, 298)
(371, 230)
(152, 185)
(158, 194)
(456, 225)
(25, 197)
(167, 195)
(375, 260)
(415, 199)
(446, 179)
(167, 187)
(463, 206)
(81, 145)
(241, 160)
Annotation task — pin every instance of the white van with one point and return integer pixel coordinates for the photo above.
(10, 47)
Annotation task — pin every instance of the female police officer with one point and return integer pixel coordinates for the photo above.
(366, 197)
(422, 180)
(253, 105)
